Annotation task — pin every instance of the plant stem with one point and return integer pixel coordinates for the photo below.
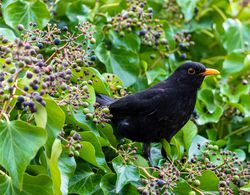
(56, 52)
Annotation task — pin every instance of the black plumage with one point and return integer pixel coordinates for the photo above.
(161, 110)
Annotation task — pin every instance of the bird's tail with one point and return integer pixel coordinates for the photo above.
(104, 100)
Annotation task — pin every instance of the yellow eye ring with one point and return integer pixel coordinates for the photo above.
(191, 71)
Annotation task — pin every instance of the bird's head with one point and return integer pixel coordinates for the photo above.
(191, 74)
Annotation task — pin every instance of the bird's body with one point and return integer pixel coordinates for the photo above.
(160, 111)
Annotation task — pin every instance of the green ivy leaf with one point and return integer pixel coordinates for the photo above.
(55, 122)
(193, 150)
(94, 150)
(23, 12)
(31, 185)
(236, 35)
(99, 83)
(187, 7)
(84, 181)
(121, 62)
(182, 188)
(108, 184)
(7, 32)
(125, 173)
(19, 142)
(54, 167)
(208, 181)
(129, 42)
(40, 115)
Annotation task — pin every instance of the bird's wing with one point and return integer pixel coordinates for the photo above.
(145, 101)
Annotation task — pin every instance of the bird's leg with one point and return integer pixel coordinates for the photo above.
(147, 153)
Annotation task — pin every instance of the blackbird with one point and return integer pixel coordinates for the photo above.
(161, 110)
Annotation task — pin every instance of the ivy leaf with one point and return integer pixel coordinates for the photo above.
(99, 156)
(31, 185)
(55, 122)
(208, 181)
(236, 35)
(125, 173)
(182, 188)
(108, 183)
(130, 41)
(54, 168)
(23, 12)
(19, 142)
(6, 31)
(84, 181)
(187, 7)
(99, 83)
(122, 62)
(193, 150)
(40, 115)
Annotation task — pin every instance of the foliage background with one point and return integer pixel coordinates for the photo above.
(33, 158)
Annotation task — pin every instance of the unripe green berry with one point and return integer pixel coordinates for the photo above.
(192, 193)
(85, 110)
(196, 183)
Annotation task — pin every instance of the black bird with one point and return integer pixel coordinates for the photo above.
(161, 110)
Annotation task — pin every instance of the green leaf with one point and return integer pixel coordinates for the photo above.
(77, 117)
(207, 97)
(122, 62)
(6, 32)
(130, 41)
(55, 122)
(31, 185)
(187, 7)
(40, 115)
(182, 188)
(208, 181)
(67, 166)
(240, 154)
(54, 167)
(154, 74)
(234, 94)
(125, 173)
(236, 35)
(246, 188)
(99, 156)
(23, 12)
(108, 184)
(19, 142)
(189, 132)
(99, 83)
(87, 153)
(233, 63)
(193, 150)
(84, 181)
(206, 117)
(107, 132)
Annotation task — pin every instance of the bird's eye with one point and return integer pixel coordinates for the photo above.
(191, 71)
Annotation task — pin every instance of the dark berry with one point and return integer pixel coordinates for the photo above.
(160, 182)
(40, 45)
(142, 32)
(157, 35)
(65, 28)
(93, 58)
(29, 75)
(20, 27)
(20, 99)
(57, 41)
(34, 87)
(183, 56)
(26, 88)
(182, 46)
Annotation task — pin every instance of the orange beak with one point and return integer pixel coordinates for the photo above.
(210, 71)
